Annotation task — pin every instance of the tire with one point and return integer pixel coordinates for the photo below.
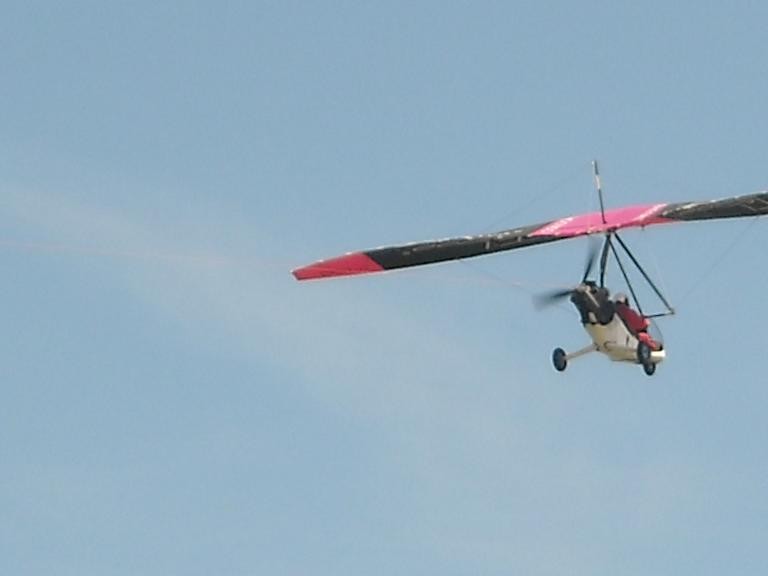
(649, 368)
(643, 353)
(559, 361)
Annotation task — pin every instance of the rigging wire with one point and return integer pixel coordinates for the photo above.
(719, 260)
(523, 287)
(492, 226)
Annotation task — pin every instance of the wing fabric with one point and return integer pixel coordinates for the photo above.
(736, 207)
(430, 252)
(419, 253)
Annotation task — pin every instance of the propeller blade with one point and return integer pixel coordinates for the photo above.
(594, 248)
(551, 298)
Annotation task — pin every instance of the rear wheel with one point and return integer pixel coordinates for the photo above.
(649, 368)
(559, 360)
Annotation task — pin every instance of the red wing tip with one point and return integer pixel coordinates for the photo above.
(347, 265)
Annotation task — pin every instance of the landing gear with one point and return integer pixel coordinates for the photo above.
(644, 358)
(643, 353)
(559, 359)
(649, 368)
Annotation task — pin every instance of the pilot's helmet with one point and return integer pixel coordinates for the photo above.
(621, 298)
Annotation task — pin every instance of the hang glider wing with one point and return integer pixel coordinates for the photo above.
(430, 252)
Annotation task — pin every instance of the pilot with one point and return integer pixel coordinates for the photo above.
(637, 323)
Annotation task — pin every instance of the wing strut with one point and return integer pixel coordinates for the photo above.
(670, 311)
(625, 275)
(604, 259)
(610, 248)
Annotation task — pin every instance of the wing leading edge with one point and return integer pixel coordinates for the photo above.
(431, 252)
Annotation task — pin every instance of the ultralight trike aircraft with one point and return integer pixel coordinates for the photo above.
(616, 330)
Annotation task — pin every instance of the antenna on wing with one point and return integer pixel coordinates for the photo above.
(599, 189)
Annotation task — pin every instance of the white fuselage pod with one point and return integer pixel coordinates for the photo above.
(617, 342)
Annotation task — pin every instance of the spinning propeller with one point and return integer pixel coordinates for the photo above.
(550, 298)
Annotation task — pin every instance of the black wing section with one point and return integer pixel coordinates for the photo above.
(735, 207)
(435, 251)
(420, 253)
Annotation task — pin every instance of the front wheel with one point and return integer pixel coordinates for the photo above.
(643, 353)
(559, 360)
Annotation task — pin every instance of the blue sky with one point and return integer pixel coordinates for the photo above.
(174, 403)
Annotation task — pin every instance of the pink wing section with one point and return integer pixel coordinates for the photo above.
(592, 223)
(347, 265)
